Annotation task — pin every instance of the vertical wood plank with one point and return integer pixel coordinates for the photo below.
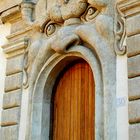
(74, 108)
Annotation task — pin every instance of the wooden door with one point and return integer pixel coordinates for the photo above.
(73, 103)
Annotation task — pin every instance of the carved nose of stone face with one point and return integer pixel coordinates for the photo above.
(64, 40)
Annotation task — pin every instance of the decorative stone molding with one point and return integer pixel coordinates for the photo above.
(11, 14)
(130, 7)
(120, 46)
(15, 48)
(84, 31)
(15, 53)
(6, 4)
(68, 30)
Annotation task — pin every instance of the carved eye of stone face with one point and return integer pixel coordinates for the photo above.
(50, 29)
(90, 13)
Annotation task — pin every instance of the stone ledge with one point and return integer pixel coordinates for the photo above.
(6, 4)
(16, 47)
(11, 14)
(129, 7)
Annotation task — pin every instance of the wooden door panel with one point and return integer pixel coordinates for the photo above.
(74, 104)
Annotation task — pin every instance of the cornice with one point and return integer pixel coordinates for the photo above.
(129, 7)
(8, 4)
(11, 14)
(15, 48)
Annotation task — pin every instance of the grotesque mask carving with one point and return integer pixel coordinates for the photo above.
(69, 23)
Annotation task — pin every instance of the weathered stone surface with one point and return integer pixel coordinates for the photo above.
(130, 7)
(16, 47)
(6, 4)
(9, 133)
(12, 99)
(133, 66)
(134, 111)
(18, 26)
(134, 132)
(13, 82)
(133, 45)
(10, 116)
(14, 65)
(87, 32)
(134, 88)
(132, 25)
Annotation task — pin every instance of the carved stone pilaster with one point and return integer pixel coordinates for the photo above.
(14, 52)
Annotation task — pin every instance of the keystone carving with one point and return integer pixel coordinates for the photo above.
(69, 23)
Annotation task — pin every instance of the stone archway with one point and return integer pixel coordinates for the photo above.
(41, 117)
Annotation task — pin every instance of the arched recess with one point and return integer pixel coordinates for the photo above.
(41, 98)
(72, 103)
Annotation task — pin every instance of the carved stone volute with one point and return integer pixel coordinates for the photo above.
(120, 32)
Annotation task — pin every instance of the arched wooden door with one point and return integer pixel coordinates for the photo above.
(74, 103)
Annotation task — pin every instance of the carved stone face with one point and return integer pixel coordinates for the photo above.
(69, 23)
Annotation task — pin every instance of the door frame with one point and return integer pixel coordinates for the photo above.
(105, 93)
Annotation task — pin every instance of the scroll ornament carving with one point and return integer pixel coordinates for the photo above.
(25, 67)
(120, 46)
